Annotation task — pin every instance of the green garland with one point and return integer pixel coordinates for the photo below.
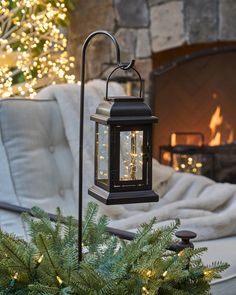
(48, 263)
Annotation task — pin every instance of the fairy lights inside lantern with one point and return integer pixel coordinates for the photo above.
(123, 150)
(131, 155)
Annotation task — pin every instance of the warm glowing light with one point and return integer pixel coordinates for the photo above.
(166, 156)
(164, 274)
(190, 161)
(207, 273)
(198, 165)
(132, 156)
(40, 259)
(145, 290)
(149, 273)
(32, 47)
(15, 276)
(173, 139)
(188, 164)
(216, 140)
(60, 281)
(217, 120)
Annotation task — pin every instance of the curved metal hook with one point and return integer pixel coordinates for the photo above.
(124, 67)
(127, 66)
(101, 33)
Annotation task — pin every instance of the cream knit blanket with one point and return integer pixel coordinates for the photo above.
(203, 206)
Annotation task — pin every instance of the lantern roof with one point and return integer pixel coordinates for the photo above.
(124, 110)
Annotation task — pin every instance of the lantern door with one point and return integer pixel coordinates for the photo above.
(131, 158)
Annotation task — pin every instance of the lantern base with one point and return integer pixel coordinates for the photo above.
(114, 198)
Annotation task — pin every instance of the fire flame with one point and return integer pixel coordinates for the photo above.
(173, 139)
(217, 121)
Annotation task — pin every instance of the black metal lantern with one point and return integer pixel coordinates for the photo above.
(123, 149)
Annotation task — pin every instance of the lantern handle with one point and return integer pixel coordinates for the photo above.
(125, 67)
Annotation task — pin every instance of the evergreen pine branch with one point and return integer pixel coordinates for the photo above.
(110, 267)
(90, 215)
(18, 255)
(40, 289)
(51, 267)
(70, 232)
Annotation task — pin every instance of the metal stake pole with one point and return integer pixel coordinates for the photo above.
(82, 77)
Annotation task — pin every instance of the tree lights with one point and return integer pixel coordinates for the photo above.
(32, 46)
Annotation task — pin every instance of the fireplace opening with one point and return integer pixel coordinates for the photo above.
(194, 95)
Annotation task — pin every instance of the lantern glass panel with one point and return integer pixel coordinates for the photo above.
(102, 132)
(131, 155)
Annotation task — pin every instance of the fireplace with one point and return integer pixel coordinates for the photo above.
(195, 98)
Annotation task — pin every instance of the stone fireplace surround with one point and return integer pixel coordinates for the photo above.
(153, 32)
(146, 27)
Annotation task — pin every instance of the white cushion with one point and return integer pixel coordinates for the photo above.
(6, 185)
(40, 160)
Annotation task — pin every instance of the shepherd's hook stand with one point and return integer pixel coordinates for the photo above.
(124, 66)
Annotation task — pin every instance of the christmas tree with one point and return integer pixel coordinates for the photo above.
(48, 263)
(33, 46)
